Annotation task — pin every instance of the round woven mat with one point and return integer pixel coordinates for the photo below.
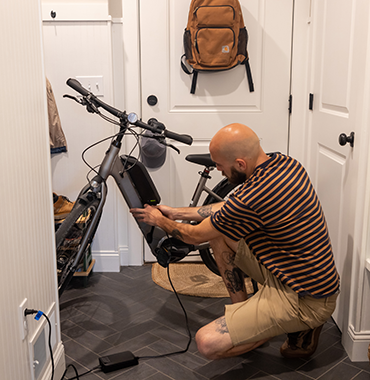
(193, 279)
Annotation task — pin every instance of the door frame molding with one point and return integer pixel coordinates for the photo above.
(132, 103)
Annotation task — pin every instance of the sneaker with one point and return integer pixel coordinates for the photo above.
(62, 206)
(301, 344)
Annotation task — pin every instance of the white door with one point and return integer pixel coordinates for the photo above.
(220, 98)
(337, 85)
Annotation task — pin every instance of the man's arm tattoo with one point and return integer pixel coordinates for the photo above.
(177, 234)
(205, 211)
(235, 280)
(221, 326)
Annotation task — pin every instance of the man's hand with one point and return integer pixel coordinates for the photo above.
(167, 211)
(161, 216)
(148, 214)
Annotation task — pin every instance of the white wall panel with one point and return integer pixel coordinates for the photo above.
(28, 267)
(80, 48)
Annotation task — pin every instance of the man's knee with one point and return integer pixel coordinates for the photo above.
(205, 344)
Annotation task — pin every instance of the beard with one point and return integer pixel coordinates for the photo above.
(237, 178)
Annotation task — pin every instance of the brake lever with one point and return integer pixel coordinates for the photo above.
(174, 148)
(84, 101)
(72, 97)
(162, 140)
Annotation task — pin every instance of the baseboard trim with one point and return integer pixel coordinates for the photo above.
(356, 344)
(124, 256)
(106, 262)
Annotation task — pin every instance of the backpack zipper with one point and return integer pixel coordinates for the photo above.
(215, 6)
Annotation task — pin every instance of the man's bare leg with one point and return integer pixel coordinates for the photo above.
(224, 250)
(214, 341)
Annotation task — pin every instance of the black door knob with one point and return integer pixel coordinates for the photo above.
(344, 139)
(152, 100)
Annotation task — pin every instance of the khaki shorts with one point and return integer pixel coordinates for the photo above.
(275, 309)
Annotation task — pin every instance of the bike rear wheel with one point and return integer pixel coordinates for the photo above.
(222, 189)
(71, 234)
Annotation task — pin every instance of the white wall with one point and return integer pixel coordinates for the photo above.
(83, 40)
(28, 267)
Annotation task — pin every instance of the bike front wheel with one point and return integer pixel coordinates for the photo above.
(222, 189)
(71, 234)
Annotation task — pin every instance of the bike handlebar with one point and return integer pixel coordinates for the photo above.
(186, 139)
(76, 85)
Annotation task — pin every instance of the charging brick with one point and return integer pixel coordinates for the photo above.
(114, 362)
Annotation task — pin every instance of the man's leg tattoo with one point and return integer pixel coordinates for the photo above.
(233, 276)
(235, 280)
(221, 325)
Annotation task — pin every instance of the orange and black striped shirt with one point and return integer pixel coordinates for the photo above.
(279, 215)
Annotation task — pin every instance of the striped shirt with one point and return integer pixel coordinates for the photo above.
(278, 214)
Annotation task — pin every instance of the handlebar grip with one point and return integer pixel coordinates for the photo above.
(186, 139)
(159, 128)
(76, 85)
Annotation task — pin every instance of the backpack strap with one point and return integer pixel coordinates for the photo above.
(194, 81)
(187, 71)
(183, 65)
(249, 75)
(195, 75)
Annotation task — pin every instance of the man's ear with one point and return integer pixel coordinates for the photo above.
(241, 164)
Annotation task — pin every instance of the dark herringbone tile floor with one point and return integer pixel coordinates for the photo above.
(127, 311)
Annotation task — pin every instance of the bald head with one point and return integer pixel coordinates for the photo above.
(235, 141)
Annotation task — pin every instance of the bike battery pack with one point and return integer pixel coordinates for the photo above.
(141, 180)
(114, 362)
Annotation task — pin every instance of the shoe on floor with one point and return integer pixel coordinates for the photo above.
(62, 206)
(301, 344)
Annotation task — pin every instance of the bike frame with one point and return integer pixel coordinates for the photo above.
(115, 165)
(134, 184)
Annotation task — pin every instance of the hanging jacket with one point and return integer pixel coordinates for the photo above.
(58, 142)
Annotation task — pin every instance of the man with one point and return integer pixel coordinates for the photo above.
(272, 229)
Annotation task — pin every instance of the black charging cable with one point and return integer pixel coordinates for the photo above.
(38, 315)
(186, 321)
(76, 373)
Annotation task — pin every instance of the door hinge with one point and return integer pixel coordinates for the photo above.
(310, 102)
(290, 101)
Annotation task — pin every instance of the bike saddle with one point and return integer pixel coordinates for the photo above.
(201, 159)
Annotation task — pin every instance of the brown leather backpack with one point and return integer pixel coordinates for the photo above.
(215, 39)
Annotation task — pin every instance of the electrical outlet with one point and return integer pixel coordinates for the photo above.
(93, 84)
(23, 327)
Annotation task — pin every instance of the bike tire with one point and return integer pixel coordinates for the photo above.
(222, 189)
(70, 234)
